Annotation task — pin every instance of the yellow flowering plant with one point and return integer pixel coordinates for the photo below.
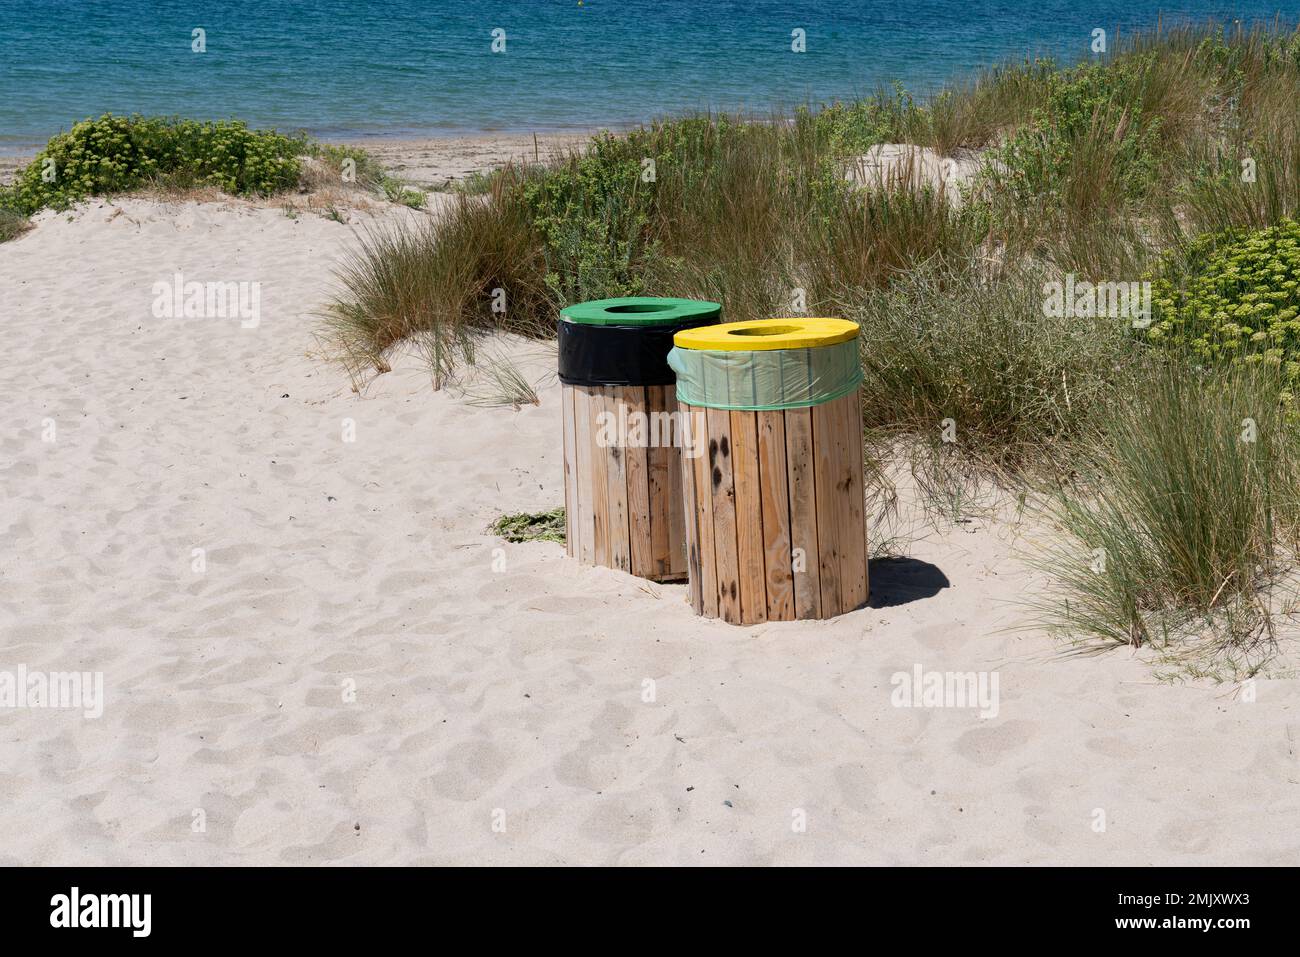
(1234, 296)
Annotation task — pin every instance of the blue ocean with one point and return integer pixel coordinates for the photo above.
(352, 68)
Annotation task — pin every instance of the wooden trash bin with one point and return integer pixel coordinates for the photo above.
(622, 434)
(776, 527)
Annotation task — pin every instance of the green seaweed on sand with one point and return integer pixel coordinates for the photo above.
(531, 526)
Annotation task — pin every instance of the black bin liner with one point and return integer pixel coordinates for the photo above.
(618, 355)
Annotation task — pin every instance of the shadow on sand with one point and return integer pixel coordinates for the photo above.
(897, 581)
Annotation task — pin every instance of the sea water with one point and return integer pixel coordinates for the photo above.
(428, 67)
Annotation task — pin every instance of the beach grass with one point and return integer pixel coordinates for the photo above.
(499, 383)
(1182, 512)
(432, 283)
(968, 360)
(12, 223)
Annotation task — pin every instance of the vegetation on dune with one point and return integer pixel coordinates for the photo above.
(113, 154)
(946, 343)
(1099, 169)
(1174, 161)
(446, 266)
(749, 213)
(1092, 142)
(118, 154)
(363, 171)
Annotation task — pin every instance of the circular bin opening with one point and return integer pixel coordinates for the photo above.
(764, 331)
(641, 307)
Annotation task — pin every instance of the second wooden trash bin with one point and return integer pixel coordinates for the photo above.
(622, 435)
(775, 524)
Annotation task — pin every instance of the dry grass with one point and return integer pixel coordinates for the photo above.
(435, 282)
(12, 224)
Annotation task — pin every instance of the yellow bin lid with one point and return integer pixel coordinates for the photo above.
(761, 335)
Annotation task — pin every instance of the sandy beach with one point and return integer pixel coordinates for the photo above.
(433, 163)
(438, 163)
(314, 652)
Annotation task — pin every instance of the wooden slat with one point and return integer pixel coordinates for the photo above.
(702, 471)
(831, 481)
(749, 518)
(774, 494)
(599, 476)
(803, 513)
(724, 515)
(853, 567)
(661, 470)
(676, 505)
(585, 507)
(570, 473)
(690, 524)
(639, 525)
(620, 554)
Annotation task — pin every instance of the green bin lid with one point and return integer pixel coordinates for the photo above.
(641, 311)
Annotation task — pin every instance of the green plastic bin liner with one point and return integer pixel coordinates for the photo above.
(766, 379)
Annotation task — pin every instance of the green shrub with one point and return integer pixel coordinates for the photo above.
(1088, 147)
(115, 153)
(1234, 296)
(850, 129)
(591, 213)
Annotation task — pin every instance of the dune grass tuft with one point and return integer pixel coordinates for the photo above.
(434, 283)
(1184, 508)
(12, 222)
(500, 383)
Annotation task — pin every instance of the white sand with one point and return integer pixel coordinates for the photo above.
(366, 563)
(895, 164)
(436, 163)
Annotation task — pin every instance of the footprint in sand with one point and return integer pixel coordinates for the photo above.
(1113, 747)
(469, 770)
(939, 636)
(623, 820)
(343, 842)
(1188, 837)
(1041, 826)
(990, 743)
